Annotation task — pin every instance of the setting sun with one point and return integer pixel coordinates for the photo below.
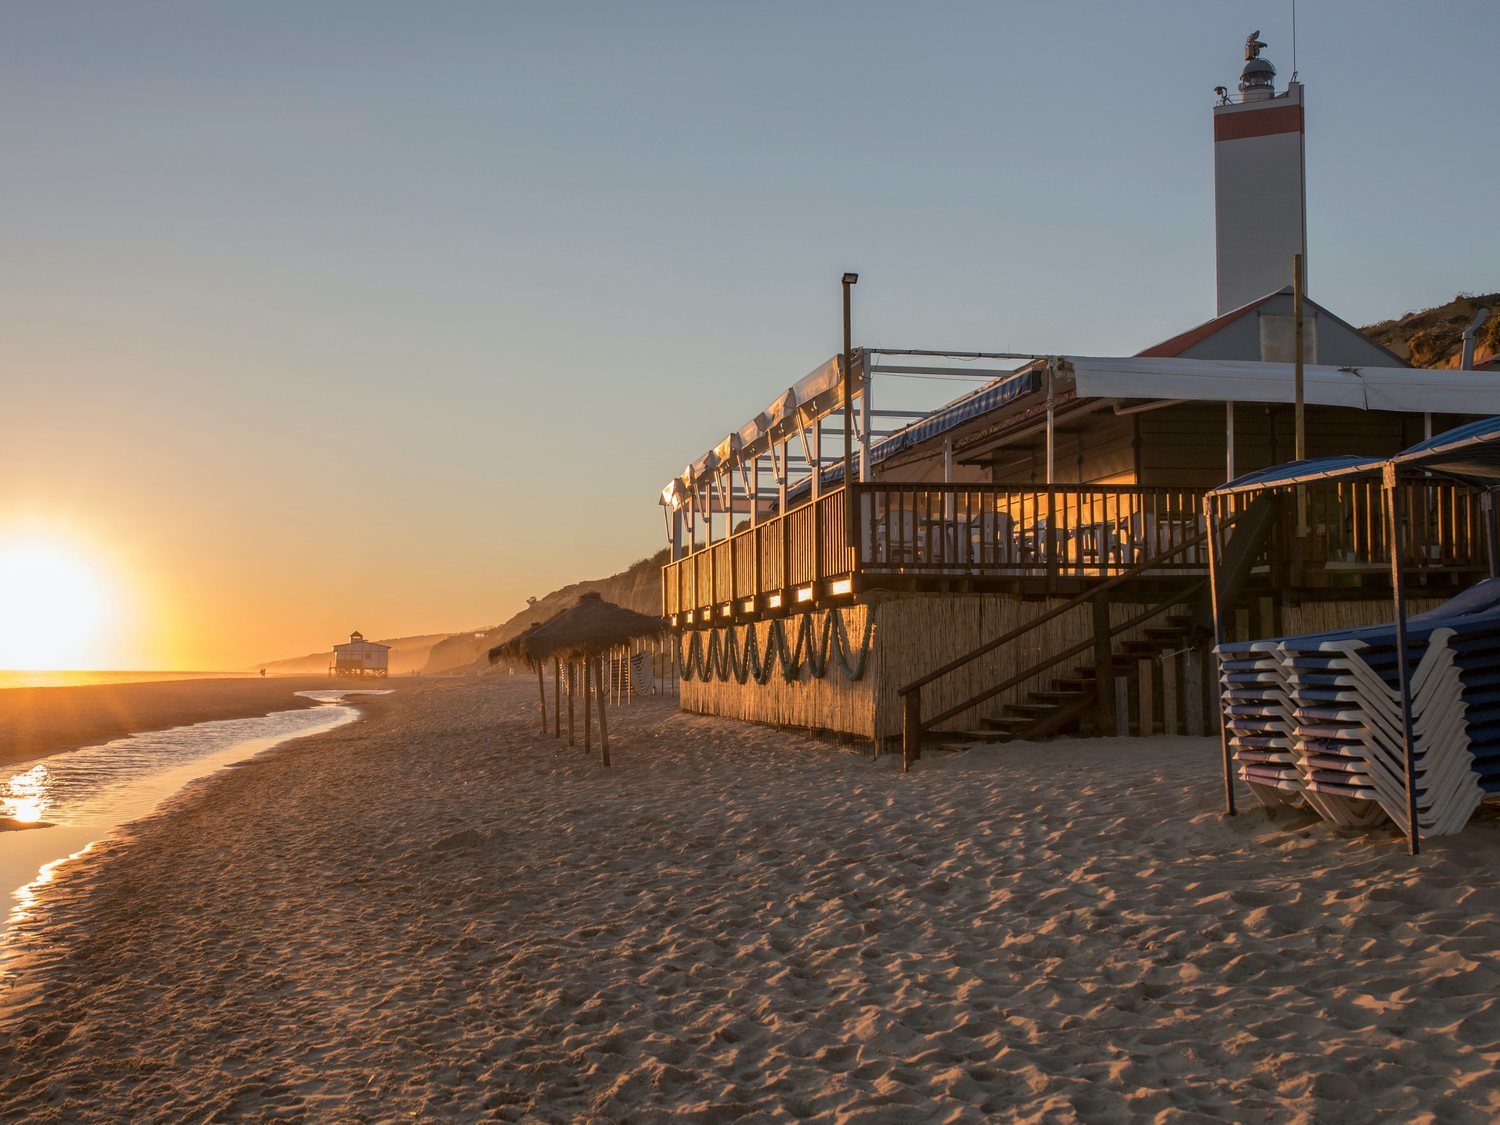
(53, 606)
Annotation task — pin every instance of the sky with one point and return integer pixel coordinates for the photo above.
(324, 316)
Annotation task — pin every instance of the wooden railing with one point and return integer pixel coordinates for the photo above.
(1092, 530)
(1064, 531)
(807, 545)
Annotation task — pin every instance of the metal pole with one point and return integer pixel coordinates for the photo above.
(1229, 440)
(1403, 673)
(848, 281)
(866, 412)
(1211, 518)
(1487, 509)
(1301, 414)
(1050, 431)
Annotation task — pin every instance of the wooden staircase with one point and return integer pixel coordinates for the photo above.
(1072, 699)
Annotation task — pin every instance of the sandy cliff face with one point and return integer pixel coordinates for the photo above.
(637, 588)
(1432, 337)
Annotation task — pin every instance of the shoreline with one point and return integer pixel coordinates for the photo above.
(437, 912)
(37, 722)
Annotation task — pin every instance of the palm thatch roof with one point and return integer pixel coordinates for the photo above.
(516, 648)
(592, 626)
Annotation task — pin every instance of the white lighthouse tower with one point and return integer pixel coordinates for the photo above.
(1260, 190)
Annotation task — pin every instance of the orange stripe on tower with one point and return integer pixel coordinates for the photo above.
(1258, 123)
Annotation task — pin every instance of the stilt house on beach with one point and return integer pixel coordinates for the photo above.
(359, 657)
(1031, 557)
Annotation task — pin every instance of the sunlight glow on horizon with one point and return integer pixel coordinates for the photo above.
(54, 605)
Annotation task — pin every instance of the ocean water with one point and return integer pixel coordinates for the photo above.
(22, 677)
(84, 795)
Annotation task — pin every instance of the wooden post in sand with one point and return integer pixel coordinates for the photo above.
(603, 727)
(541, 688)
(571, 672)
(588, 716)
(556, 697)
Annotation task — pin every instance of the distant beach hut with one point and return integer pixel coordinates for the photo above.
(360, 657)
(582, 635)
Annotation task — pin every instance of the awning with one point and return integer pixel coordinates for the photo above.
(817, 394)
(989, 397)
(1469, 453)
(1403, 389)
(1301, 472)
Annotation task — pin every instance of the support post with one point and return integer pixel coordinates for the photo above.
(850, 529)
(541, 691)
(865, 415)
(603, 727)
(1487, 510)
(1229, 440)
(1104, 673)
(911, 728)
(588, 716)
(1211, 520)
(1403, 672)
(1051, 430)
(557, 697)
(571, 740)
(1300, 418)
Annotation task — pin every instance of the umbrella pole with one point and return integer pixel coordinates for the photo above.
(1211, 520)
(1403, 673)
(588, 717)
(571, 671)
(603, 730)
(541, 689)
(556, 697)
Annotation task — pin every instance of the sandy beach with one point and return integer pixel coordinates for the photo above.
(37, 721)
(436, 913)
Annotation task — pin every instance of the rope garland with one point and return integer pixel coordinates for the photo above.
(724, 656)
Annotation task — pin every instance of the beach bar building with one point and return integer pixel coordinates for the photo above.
(1032, 556)
(359, 657)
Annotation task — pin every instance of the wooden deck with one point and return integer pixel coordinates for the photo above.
(1040, 540)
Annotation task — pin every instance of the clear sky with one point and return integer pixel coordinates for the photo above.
(332, 315)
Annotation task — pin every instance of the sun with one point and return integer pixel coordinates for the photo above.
(53, 606)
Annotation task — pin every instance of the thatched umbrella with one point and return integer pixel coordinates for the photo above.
(586, 632)
(522, 648)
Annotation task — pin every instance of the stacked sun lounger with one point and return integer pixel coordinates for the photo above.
(1317, 721)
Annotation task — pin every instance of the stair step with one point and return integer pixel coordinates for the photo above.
(949, 738)
(1166, 634)
(1032, 710)
(1006, 723)
(1055, 697)
(1080, 684)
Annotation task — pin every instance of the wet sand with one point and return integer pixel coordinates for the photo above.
(434, 913)
(35, 722)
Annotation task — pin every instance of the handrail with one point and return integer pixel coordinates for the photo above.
(1081, 647)
(1081, 599)
(911, 694)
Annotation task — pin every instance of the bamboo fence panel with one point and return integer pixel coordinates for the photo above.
(833, 703)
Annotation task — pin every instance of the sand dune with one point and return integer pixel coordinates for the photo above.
(435, 913)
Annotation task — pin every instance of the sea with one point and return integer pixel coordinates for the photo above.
(24, 678)
(82, 796)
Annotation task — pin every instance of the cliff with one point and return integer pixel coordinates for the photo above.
(638, 587)
(1432, 337)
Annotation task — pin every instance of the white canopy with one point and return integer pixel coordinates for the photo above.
(1403, 389)
(815, 395)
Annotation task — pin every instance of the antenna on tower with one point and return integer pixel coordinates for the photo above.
(1294, 40)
